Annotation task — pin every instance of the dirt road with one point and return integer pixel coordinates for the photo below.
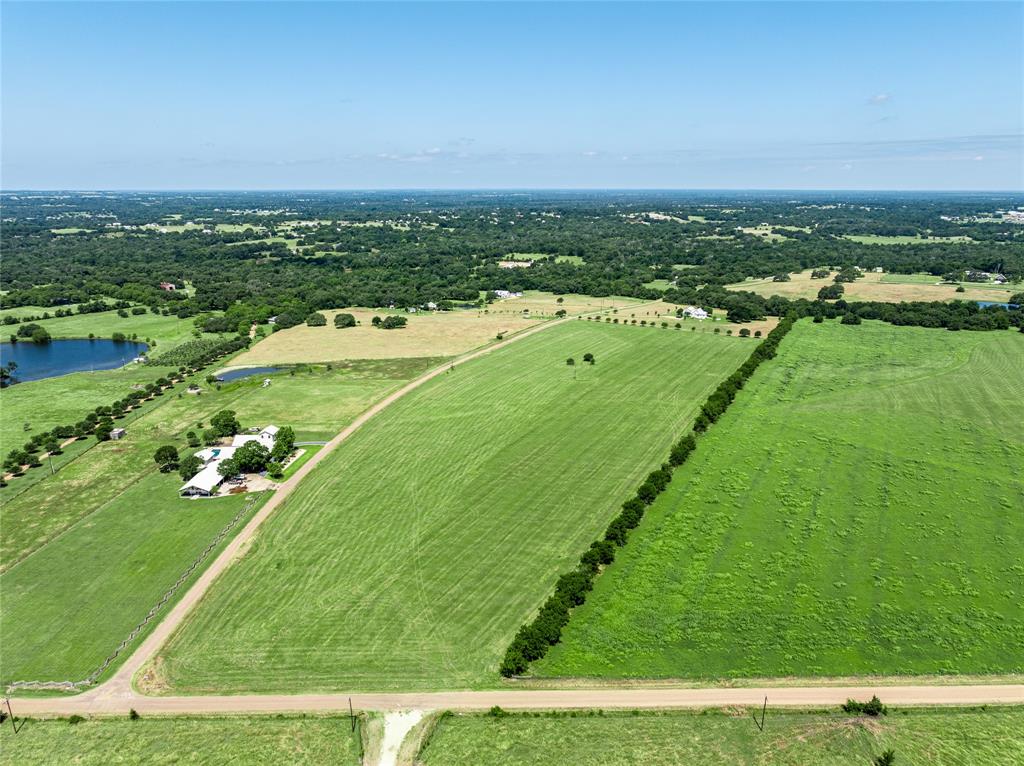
(105, 700)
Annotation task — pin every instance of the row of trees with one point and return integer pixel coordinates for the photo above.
(533, 639)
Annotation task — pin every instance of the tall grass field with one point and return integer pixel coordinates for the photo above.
(859, 510)
(918, 737)
(410, 555)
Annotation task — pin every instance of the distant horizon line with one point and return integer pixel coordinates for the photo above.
(492, 189)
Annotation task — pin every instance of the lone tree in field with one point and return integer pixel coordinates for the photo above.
(316, 319)
(392, 322)
(588, 357)
(570, 361)
(375, 321)
(166, 457)
(342, 321)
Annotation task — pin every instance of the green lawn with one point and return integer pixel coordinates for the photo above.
(858, 510)
(919, 737)
(189, 740)
(410, 556)
(109, 519)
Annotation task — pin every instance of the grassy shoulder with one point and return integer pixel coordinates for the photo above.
(852, 513)
(184, 739)
(917, 736)
(411, 555)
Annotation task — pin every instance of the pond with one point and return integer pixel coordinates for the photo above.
(245, 372)
(59, 357)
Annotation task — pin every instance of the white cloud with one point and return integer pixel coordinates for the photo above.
(879, 98)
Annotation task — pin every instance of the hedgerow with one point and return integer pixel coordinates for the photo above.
(533, 639)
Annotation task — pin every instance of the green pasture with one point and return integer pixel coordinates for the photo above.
(43, 404)
(918, 737)
(115, 489)
(184, 740)
(69, 604)
(908, 239)
(411, 554)
(165, 331)
(856, 511)
(931, 279)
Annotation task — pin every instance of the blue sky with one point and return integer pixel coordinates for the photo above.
(265, 95)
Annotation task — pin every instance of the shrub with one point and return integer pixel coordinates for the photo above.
(393, 322)
(75, 719)
(872, 707)
(133, 715)
(316, 319)
(342, 321)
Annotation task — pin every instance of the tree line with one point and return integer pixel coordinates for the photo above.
(534, 638)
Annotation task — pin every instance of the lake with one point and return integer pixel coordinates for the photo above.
(59, 357)
(245, 372)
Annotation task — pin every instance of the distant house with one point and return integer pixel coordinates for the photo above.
(507, 294)
(879, 269)
(272, 320)
(999, 279)
(266, 382)
(695, 312)
(168, 286)
(117, 433)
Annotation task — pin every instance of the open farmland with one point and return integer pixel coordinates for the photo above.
(919, 737)
(428, 333)
(110, 519)
(891, 288)
(412, 553)
(194, 740)
(857, 511)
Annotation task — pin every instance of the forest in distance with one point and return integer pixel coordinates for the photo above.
(262, 254)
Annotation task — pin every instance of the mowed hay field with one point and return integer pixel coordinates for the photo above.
(409, 557)
(427, 334)
(919, 737)
(191, 740)
(858, 510)
(877, 287)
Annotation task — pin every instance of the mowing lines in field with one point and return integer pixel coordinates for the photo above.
(416, 548)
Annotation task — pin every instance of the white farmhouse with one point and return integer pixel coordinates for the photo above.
(206, 482)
